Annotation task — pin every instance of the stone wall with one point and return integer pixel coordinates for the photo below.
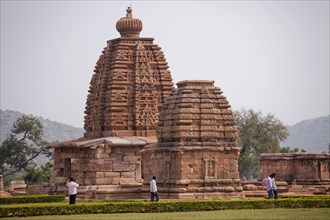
(190, 163)
(193, 172)
(302, 167)
(118, 166)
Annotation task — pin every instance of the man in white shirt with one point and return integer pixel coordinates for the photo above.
(269, 186)
(153, 190)
(72, 186)
(274, 188)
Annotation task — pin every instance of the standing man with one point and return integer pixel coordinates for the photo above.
(274, 188)
(269, 187)
(153, 190)
(72, 186)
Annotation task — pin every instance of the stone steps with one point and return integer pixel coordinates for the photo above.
(252, 194)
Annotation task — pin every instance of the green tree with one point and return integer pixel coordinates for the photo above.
(24, 144)
(290, 150)
(38, 175)
(257, 134)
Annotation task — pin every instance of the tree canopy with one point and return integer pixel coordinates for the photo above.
(257, 134)
(40, 174)
(24, 143)
(291, 150)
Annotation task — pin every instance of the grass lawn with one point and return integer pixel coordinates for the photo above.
(301, 214)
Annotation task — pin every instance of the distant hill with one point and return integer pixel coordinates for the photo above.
(312, 135)
(53, 131)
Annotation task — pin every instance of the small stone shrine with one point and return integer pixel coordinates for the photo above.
(197, 152)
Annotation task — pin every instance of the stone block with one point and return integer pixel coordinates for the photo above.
(107, 167)
(128, 174)
(105, 181)
(89, 181)
(115, 157)
(115, 180)
(90, 174)
(100, 161)
(108, 161)
(111, 174)
(121, 166)
(132, 158)
(238, 188)
(100, 181)
(17, 184)
(229, 189)
(99, 174)
(281, 183)
(92, 156)
(250, 187)
(126, 181)
(102, 155)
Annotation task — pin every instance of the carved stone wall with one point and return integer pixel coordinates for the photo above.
(197, 152)
(130, 82)
(303, 167)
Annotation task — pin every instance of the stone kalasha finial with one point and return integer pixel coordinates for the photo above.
(129, 26)
(129, 12)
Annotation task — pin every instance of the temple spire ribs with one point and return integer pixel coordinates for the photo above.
(130, 82)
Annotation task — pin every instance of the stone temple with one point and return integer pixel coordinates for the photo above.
(138, 125)
(197, 151)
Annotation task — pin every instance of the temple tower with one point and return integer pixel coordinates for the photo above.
(197, 151)
(130, 82)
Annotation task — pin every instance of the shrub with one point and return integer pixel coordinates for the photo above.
(143, 207)
(32, 199)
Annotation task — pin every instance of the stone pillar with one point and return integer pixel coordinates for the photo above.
(1, 183)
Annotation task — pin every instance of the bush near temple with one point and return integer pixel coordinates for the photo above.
(32, 199)
(148, 207)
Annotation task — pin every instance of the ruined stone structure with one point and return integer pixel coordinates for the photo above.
(197, 153)
(3, 193)
(302, 168)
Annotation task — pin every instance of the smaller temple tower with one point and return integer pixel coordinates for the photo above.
(197, 152)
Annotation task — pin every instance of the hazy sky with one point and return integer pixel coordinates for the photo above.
(271, 56)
